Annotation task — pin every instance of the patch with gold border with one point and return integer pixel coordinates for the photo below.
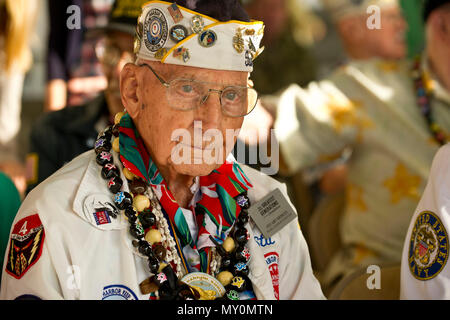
(25, 247)
(428, 246)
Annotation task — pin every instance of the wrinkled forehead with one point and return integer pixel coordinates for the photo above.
(220, 77)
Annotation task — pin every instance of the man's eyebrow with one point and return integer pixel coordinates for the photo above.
(185, 75)
(191, 76)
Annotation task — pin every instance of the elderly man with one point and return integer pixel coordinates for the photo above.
(156, 211)
(394, 115)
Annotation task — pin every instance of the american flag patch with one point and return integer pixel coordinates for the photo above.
(175, 12)
(102, 217)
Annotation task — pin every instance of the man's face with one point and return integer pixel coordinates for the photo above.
(114, 52)
(160, 125)
(389, 41)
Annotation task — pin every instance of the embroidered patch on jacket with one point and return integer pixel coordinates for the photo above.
(263, 242)
(272, 259)
(118, 292)
(428, 246)
(101, 217)
(25, 247)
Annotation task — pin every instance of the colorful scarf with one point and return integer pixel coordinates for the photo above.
(216, 211)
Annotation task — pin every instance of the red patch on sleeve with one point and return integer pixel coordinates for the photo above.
(25, 246)
(272, 259)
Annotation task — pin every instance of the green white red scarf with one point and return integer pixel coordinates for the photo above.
(216, 211)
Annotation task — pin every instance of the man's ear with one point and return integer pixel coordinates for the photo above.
(129, 89)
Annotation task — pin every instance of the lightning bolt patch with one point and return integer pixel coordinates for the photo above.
(27, 239)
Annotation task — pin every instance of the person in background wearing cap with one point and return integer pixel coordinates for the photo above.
(360, 43)
(154, 211)
(59, 136)
(395, 116)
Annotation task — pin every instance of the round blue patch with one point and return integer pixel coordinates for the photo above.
(155, 29)
(428, 246)
(207, 38)
(178, 33)
(118, 292)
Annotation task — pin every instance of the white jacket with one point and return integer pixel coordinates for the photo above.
(81, 259)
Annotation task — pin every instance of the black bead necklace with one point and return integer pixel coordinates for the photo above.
(233, 271)
(423, 94)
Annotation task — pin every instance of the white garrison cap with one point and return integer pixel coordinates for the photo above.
(339, 9)
(172, 34)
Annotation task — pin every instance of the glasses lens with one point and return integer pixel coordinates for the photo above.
(185, 94)
(239, 101)
(189, 94)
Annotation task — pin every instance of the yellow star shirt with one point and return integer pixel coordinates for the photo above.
(368, 106)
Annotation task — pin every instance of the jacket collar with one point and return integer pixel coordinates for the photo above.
(93, 196)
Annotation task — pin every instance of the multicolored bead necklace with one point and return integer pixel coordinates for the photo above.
(154, 241)
(424, 89)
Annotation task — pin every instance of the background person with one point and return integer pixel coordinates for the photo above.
(387, 33)
(17, 19)
(60, 136)
(394, 115)
(74, 75)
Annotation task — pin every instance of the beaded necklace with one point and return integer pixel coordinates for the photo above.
(424, 90)
(153, 239)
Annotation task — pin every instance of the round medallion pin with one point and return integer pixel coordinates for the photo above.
(428, 246)
(207, 286)
(207, 38)
(197, 24)
(155, 30)
(178, 33)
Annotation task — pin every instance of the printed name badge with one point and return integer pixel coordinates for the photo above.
(272, 213)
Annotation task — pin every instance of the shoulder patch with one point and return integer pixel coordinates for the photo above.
(272, 259)
(118, 292)
(25, 247)
(428, 246)
(27, 297)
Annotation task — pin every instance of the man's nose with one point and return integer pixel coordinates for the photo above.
(210, 109)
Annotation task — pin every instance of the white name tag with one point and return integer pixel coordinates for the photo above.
(272, 213)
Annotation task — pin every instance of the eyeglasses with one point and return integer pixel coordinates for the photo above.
(185, 94)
